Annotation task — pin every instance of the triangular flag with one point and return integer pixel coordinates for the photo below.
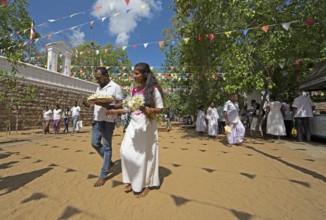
(51, 20)
(91, 23)
(143, 6)
(151, 67)
(49, 36)
(32, 34)
(127, 2)
(265, 28)
(4, 2)
(186, 40)
(112, 5)
(73, 15)
(211, 37)
(219, 68)
(228, 33)
(160, 43)
(98, 8)
(124, 47)
(134, 46)
(282, 65)
(286, 25)
(103, 19)
(124, 67)
(171, 67)
(245, 32)
(145, 45)
(310, 21)
(97, 52)
(60, 55)
(200, 38)
(106, 50)
(116, 14)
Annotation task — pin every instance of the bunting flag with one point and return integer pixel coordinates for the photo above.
(32, 33)
(310, 21)
(245, 32)
(200, 38)
(124, 47)
(112, 5)
(98, 8)
(282, 65)
(127, 2)
(211, 37)
(4, 2)
(265, 28)
(286, 25)
(160, 43)
(101, 63)
(91, 23)
(116, 14)
(186, 40)
(134, 46)
(228, 33)
(103, 19)
(143, 6)
(145, 45)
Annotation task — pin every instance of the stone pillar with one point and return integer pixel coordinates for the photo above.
(52, 59)
(67, 64)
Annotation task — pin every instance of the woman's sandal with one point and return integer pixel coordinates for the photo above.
(128, 188)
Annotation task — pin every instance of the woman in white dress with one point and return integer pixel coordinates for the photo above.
(275, 124)
(139, 148)
(212, 117)
(200, 121)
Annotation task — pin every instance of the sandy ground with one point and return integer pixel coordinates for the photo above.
(51, 177)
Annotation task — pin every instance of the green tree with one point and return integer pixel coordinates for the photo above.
(14, 31)
(219, 36)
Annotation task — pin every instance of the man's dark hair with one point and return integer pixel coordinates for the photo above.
(103, 71)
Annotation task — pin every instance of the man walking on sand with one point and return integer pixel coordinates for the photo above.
(103, 125)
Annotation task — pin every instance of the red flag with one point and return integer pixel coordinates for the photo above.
(127, 2)
(161, 43)
(4, 2)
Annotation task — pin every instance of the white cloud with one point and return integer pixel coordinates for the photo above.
(77, 37)
(123, 24)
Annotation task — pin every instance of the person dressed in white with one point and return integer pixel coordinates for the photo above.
(56, 119)
(275, 123)
(287, 118)
(200, 121)
(302, 111)
(75, 115)
(212, 117)
(231, 114)
(47, 115)
(139, 148)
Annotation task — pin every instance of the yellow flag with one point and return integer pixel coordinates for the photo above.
(227, 33)
(186, 39)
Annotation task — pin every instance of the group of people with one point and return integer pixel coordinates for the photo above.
(282, 117)
(57, 114)
(218, 117)
(139, 148)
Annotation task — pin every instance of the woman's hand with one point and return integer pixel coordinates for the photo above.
(148, 110)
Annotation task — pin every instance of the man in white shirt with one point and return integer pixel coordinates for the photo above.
(231, 114)
(103, 125)
(302, 111)
(75, 115)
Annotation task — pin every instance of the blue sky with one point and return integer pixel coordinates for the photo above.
(144, 23)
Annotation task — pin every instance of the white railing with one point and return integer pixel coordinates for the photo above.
(38, 75)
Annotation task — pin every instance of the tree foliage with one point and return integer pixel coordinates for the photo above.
(226, 37)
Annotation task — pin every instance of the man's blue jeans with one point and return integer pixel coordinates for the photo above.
(74, 122)
(102, 142)
(303, 128)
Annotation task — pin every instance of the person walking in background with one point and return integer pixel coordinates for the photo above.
(75, 112)
(65, 115)
(56, 119)
(200, 121)
(255, 118)
(168, 120)
(139, 148)
(221, 120)
(302, 111)
(275, 123)
(232, 118)
(287, 117)
(47, 116)
(212, 117)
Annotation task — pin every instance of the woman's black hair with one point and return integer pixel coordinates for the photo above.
(151, 83)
